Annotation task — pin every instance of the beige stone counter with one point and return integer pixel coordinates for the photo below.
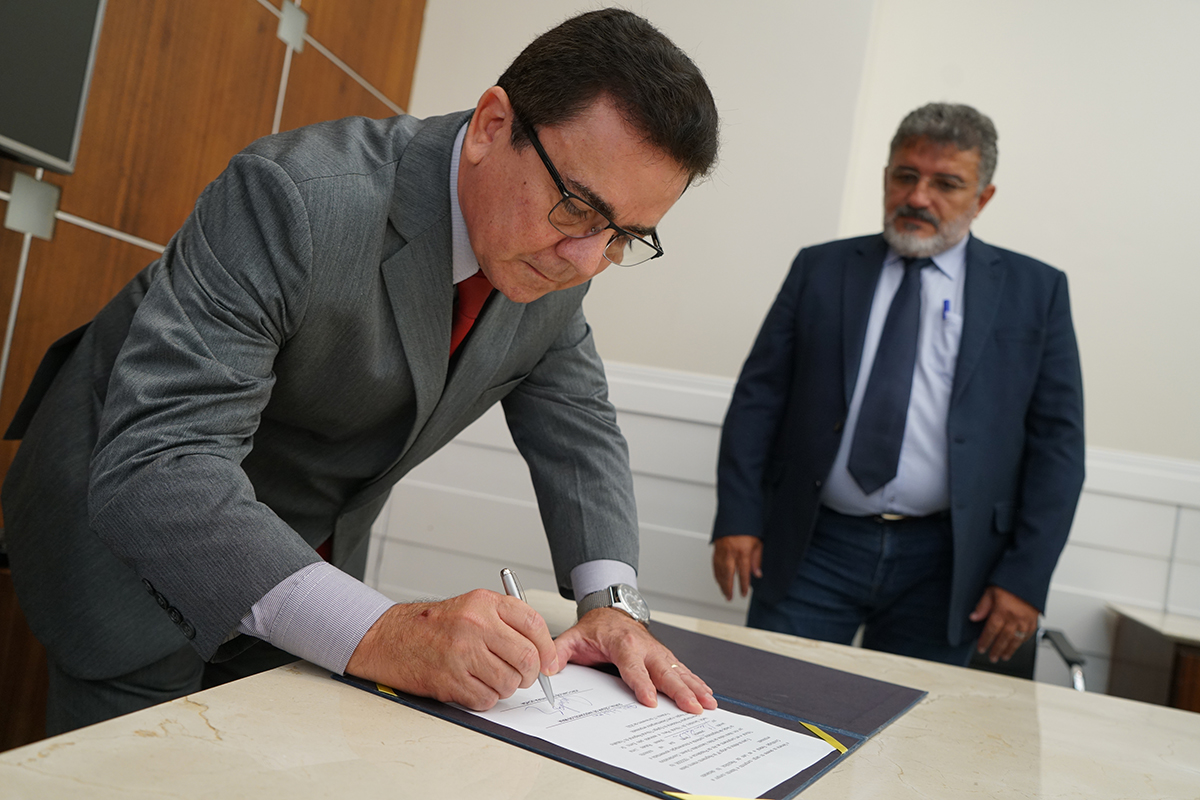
(295, 733)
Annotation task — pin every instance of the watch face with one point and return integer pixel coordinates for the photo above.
(633, 602)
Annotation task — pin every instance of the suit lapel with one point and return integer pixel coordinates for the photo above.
(859, 279)
(419, 280)
(420, 287)
(481, 353)
(419, 277)
(981, 299)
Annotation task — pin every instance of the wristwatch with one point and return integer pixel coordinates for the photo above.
(619, 595)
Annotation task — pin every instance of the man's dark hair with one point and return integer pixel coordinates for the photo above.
(956, 124)
(615, 53)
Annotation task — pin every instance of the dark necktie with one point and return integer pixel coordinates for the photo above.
(472, 293)
(875, 451)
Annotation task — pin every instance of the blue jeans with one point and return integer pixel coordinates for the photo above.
(893, 577)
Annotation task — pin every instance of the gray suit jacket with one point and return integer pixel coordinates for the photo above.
(267, 380)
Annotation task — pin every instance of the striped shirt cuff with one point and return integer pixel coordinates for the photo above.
(318, 613)
(592, 576)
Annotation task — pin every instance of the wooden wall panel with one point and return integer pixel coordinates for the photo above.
(10, 242)
(318, 90)
(178, 88)
(378, 40)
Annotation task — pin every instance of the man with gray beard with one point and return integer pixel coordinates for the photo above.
(904, 449)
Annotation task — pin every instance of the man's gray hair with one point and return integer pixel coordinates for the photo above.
(956, 124)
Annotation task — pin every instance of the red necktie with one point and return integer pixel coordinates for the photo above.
(472, 293)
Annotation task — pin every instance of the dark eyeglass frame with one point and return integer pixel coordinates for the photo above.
(567, 194)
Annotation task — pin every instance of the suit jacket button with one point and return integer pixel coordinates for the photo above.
(174, 614)
(162, 601)
(818, 484)
(187, 629)
(149, 586)
(838, 427)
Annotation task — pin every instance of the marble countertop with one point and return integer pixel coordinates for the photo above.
(1183, 629)
(293, 732)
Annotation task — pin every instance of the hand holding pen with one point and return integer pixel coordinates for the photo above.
(512, 587)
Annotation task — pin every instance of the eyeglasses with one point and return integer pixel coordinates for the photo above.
(576, 218)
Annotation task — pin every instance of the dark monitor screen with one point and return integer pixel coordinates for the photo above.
(46, 52)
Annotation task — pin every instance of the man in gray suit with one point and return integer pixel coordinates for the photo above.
(248, 400)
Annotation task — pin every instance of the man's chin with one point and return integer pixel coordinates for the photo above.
(913, 245)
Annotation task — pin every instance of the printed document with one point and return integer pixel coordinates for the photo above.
(715, 753)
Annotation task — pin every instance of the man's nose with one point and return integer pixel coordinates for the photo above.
(586, 255)
(920, 195)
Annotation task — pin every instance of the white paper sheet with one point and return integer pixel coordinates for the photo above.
(715, 753)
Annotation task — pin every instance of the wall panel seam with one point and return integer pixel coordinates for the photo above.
(344, 67)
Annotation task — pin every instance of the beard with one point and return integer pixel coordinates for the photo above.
(913, 245)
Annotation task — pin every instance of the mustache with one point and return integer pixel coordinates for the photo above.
(915, 213)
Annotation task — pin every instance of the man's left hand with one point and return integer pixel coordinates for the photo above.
(1010, 621)
(610, 636)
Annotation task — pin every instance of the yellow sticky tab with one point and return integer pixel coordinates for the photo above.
(392, 692)
(683, 796)
(834, 743)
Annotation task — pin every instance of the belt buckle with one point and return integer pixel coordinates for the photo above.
(890, 517)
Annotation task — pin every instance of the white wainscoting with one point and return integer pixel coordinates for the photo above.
(456, 520)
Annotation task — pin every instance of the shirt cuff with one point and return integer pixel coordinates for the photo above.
(318, 613)
(592, 576)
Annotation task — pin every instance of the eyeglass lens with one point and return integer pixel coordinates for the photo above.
(575, 218)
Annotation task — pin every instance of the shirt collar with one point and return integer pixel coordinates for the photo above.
(462, 256)
(952, 262)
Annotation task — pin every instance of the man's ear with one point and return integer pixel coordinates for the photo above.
(490, 125)
(985, 196)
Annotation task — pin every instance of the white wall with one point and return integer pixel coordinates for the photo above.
(1096, 104)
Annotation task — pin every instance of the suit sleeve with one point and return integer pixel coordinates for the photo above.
(566, 430)
(167, 491)
(755, 415)
(1052, 467)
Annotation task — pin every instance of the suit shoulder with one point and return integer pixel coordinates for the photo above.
(349, 146)
(839, 247)
(832, 257)
(1018, 261)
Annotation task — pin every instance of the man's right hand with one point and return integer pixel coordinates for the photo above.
(740, 556)
(472, 650)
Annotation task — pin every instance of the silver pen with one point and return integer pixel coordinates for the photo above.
(512, 588)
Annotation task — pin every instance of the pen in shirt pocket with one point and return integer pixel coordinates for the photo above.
(945, 309)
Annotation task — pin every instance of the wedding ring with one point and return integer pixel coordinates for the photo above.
(1020, 634)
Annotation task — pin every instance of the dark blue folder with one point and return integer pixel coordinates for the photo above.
(842, 708)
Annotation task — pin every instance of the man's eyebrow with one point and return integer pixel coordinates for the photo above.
(951, 176)
(600, 204)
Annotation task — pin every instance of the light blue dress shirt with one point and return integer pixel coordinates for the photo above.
(922, 482)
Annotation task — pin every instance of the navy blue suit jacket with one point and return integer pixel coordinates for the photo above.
(1015, 426)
